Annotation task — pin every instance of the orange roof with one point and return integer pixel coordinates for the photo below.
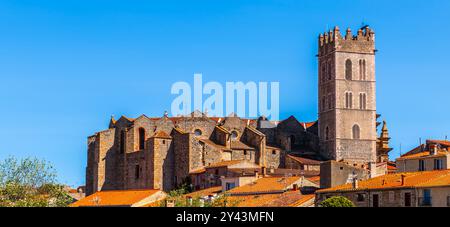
(315, 179)
(286, 199)
(442, 142)
(265, 184)
(205, 192)
(307, 124)
(391, 167)
(304, 161)
(422, 155)
(198, 171)
(161, 135)
(115, 198)
(411, 180)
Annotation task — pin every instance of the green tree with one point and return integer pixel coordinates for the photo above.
(30, 182)
(337, 201)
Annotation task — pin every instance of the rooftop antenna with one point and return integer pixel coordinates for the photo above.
(400, 149)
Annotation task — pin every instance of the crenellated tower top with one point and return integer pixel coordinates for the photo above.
(362, 42)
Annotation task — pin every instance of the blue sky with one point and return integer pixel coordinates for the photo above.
(67, 66)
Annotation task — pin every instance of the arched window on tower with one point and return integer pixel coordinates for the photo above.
(323, 72)
(141, 138)
(362, 69)
(330, 102)
(329, 70)
(122, 142)
(348, 69)
(348, 100)
(362, 101)
(327, 133)
(323, 103)
(355, 132)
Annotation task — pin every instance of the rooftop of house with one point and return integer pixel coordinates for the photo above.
(439, 178)
(115, 198)
(161, 135)
(286, 199)
(265, 185)
(423, 154)
(240, 164)
(205, 192)
(304, 161)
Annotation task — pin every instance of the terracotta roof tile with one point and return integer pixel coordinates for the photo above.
(286, 199)
(265, 184)
(205, 192)
(422, 155)
(198, 171)
(304, 161)
(411, 180)
(115, 198)
(161, 135)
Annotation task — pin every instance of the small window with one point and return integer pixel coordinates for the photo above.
(330, 101)
(234, 135)
(362, 69)
(217, 171)
(137, 171)
(245, 152)
(141, 138)
(323, 72)
(348, 69)
(230, 186)
(348, 100)
(122, 142)
(360, 197)
(198, 132)
(437, 164)
(324, 103)
(329, 70)
(274, 152)
(421, 165)
(407, 201)
(362, 101)
(327, 133)
(164, 141)
(356, 132)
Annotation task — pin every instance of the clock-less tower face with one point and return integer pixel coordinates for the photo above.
(347, 103)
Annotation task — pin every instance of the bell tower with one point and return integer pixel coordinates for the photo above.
(347, 103)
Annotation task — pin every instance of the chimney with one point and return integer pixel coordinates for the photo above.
(403, 179)
(433, 149)
(355, 183)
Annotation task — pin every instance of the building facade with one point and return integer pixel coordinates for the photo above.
(411, 189)
(347, 100)
(433, 155)
(162, 152)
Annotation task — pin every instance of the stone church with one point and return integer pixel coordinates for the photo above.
(159, 153)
